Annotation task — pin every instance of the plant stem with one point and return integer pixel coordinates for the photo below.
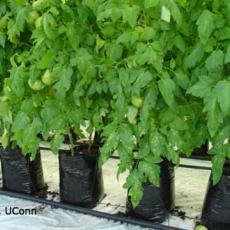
(71, 142)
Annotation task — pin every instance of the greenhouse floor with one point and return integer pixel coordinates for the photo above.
(190, 185)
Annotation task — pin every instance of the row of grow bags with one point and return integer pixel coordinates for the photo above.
(81, 180)
(81, 183)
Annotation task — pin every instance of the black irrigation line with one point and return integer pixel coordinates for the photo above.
(195, 167)
(180, 165)
(86, 211)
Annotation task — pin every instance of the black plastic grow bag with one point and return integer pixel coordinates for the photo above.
(202, 151)
(156, 202)
(20, 173)
(216, 208)
(81, 181)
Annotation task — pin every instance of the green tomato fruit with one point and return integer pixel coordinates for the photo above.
(133, 122)
(3, 22)
(33, 16)
(47, 78)
(200, 227)
(38, 22)
(39, 4)
(137, 102)
(37, 85)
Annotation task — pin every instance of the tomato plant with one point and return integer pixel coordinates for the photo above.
(151, 76)
(208, 62)
(141, 46)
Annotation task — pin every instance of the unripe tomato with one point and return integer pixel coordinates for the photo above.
(37, 85)
(133, 122)
(47, 78)
(3, 22)
(38, 4)
(137, 102)
(33, 16)
(200, 227)
(38, 22)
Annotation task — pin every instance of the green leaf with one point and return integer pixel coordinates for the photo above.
(182, 80)
(72, 36)
(152, 171)
(179, 124)
(176, 14)
(151, 3)
(64, 82)
(136, 193)
(147, 34)
(227, 55)
(143, 80)
(217, 167)
(222, 90)
(201, 88)
(132, 114)
(22, 14)
(114, 51)
(20, 122)
(2, 40)
(130, 14)
(109, 147)
(56, 143)
(194, 57)
(126, 160)
(18, 81)
(126, 137)
(46, 60)
(173, 156)
(179, 43)
(116, 14)
(167, 89)
(48, 26)
(157, 143)
(215, 61)
(149, 103)
(126, 37)
(17, 26)
(223, 34)
(205, 25)
(134, 186)
(214, 115)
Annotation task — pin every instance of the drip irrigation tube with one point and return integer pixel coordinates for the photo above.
(86, 211)
(195, 167)
(180, 165)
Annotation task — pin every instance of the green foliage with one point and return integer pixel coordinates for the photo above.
(210, 72)
(152, 77)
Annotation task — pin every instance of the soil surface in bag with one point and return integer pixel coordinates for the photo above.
(156, 202)
(20, 174)
(216, 209)
(81, 181)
